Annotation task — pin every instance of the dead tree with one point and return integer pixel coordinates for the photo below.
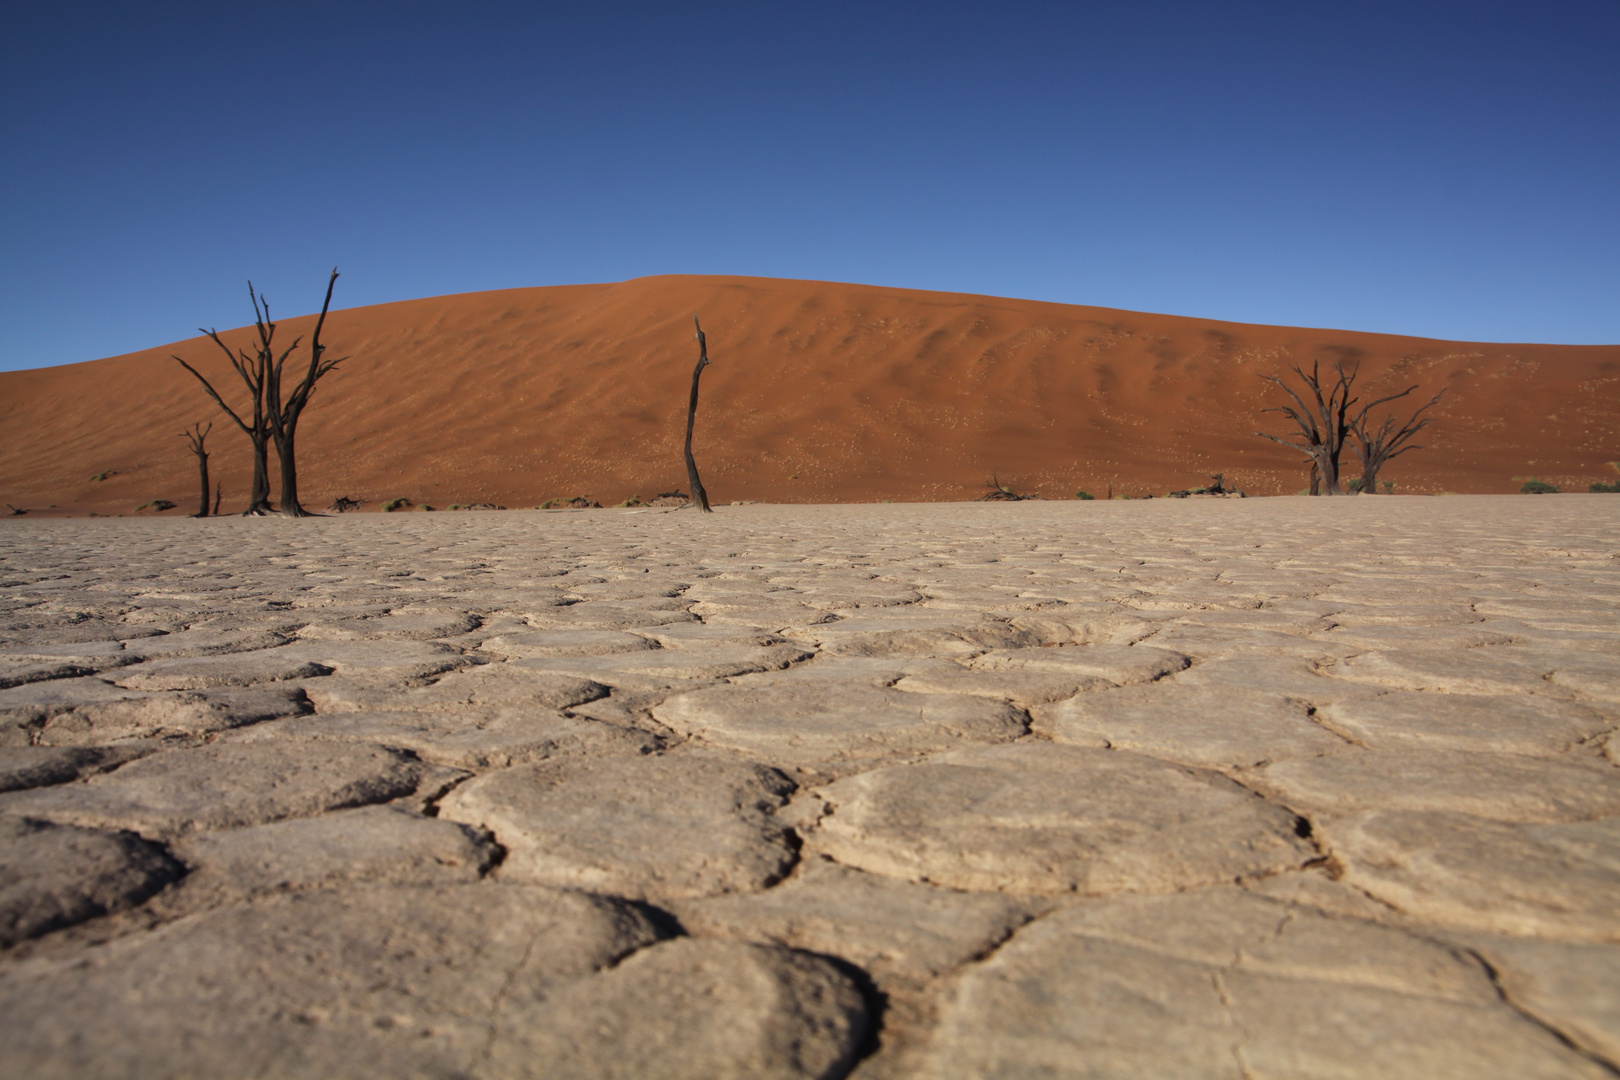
(1323, 424)
(254, 372)
(195, 436)
(700, 498)
(283, 414)
(1377, 446)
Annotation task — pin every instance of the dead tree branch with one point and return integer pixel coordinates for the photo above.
(700, 498)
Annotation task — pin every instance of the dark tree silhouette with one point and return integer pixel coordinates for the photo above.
(274, 417)
(1323, 424)
(1376, 446)
(195, 437)
(254, 372)
(700, 498)
(284, 413)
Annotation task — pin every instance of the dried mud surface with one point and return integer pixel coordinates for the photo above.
(1255, 788)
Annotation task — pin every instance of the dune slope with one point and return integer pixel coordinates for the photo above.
(819, 392)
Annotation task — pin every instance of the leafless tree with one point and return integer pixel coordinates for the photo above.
(195, 437)
(1323, 424)
(274, 417)
(1376, 446)
(284, 413)
(254, 372)
(700, 498)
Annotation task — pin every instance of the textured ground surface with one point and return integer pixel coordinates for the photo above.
(1257, 788)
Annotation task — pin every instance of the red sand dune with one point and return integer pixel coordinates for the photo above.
(819, 392)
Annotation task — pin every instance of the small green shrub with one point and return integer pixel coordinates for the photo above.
(1606, 489)
(400, 503)
(424, 506)
(1389, 487)
(1084, 496)
(1537, 487)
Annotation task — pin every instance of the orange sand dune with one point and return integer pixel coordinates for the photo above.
(819, 392)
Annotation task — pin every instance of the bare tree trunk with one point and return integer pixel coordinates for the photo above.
(1328, 466)
(195, 438)
(700, 498)
(202, 499)
(290, 506)
(1316, 478)
(219, 493)
(259, 497)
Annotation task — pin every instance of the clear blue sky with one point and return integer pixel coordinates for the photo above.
(1443, 169)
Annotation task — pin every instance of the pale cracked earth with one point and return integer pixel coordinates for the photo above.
(1259, 788)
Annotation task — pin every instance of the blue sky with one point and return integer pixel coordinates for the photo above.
(1448, 170)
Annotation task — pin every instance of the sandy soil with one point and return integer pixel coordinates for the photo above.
(819, 393)
(1270, 787)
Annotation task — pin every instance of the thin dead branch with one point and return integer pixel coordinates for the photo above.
(700, 498)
